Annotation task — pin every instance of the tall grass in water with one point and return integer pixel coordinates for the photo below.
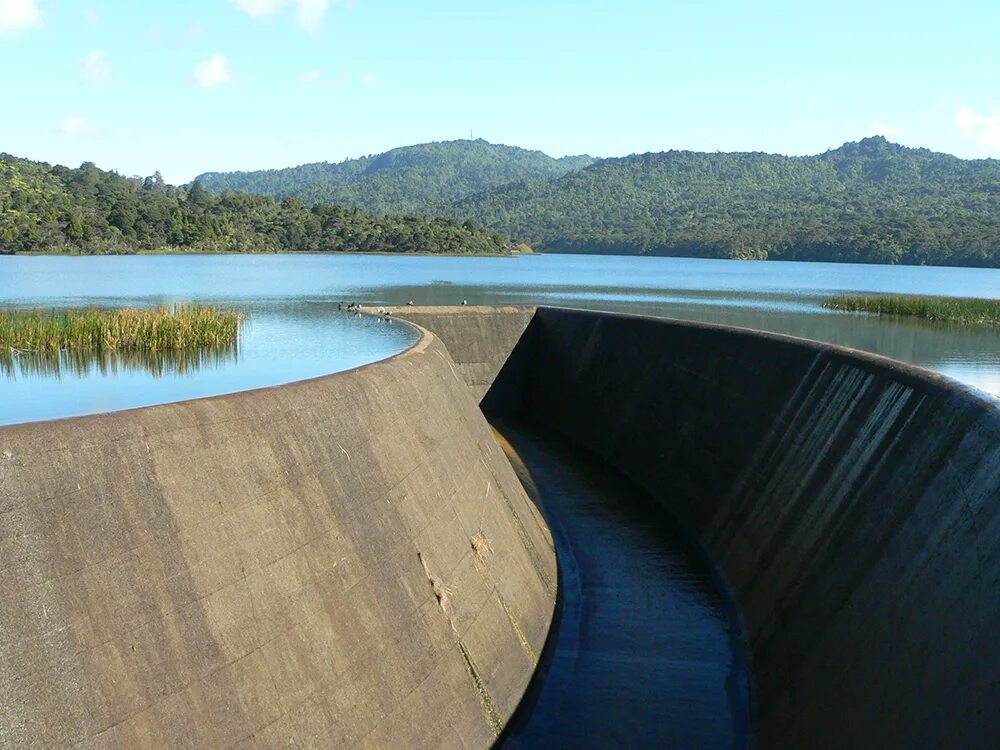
(948, 309)
(157, 364)
(93, 331)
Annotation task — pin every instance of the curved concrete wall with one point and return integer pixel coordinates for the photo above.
(852, 503)
(290, 567)
(479, 339)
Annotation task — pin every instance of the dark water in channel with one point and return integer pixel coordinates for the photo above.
(295, 331)
(644, 650)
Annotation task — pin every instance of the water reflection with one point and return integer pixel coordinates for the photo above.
(157, 364)
(282, 340)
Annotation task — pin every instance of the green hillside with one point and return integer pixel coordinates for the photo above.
(47, 208)
(424, 179)
(871, 201)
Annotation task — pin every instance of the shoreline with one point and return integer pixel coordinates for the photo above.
(55, 254)
(532, 253)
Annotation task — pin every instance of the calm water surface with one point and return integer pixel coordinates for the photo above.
(296, 332)
(645, 649)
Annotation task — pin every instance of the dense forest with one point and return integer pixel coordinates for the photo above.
(56, 209)
(425, 179)
(871, 201)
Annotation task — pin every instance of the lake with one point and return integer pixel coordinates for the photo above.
(295, 330)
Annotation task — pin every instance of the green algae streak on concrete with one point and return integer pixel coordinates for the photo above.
(851, 503)
(251, 569)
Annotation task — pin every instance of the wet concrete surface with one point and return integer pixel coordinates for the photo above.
(645, 648)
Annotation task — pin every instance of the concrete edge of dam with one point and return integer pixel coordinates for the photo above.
(345, 561)
(850, 502)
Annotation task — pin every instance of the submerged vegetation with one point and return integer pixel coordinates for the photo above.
(947, 309)
(95, 331)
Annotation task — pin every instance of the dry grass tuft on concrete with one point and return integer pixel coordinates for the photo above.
(482, 549)
(442, 592)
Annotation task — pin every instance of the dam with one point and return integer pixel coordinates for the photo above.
(358, 560)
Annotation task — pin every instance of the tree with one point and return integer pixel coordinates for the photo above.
(88, 210)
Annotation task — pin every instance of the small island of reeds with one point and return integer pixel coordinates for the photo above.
(944, 309)
(182, 328)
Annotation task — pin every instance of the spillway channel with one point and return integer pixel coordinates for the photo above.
(645, 648)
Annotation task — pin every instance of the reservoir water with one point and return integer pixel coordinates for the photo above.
(295, 330)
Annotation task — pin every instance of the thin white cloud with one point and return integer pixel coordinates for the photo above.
(983, 128)
(260, 7)
(889, 131)
(315, 78)
(91, 15)
(95, 67)
(73, 126)
(175, 37)
(308, 13)
(19, 15)
(215, 71)
(370, 79)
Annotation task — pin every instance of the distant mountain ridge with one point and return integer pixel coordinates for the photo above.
(423, 179)
(867, 201)
(870, 201)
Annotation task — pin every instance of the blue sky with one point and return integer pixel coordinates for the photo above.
(197, 85)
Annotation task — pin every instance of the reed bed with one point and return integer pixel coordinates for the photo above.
(94, 331)
(945, 309)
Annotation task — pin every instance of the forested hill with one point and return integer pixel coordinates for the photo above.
(424, 179)
(47, 208)
(871, 201)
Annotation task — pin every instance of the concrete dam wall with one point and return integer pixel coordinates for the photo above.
(852, 505)
(479, 339)
(343, 562)
(351, 561)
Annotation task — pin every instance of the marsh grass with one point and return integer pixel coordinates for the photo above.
(94, 331)
(945, 309)
(159, 341)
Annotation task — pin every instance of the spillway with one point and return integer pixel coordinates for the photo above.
(850, 503)
(352, 561)
(645, 647)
